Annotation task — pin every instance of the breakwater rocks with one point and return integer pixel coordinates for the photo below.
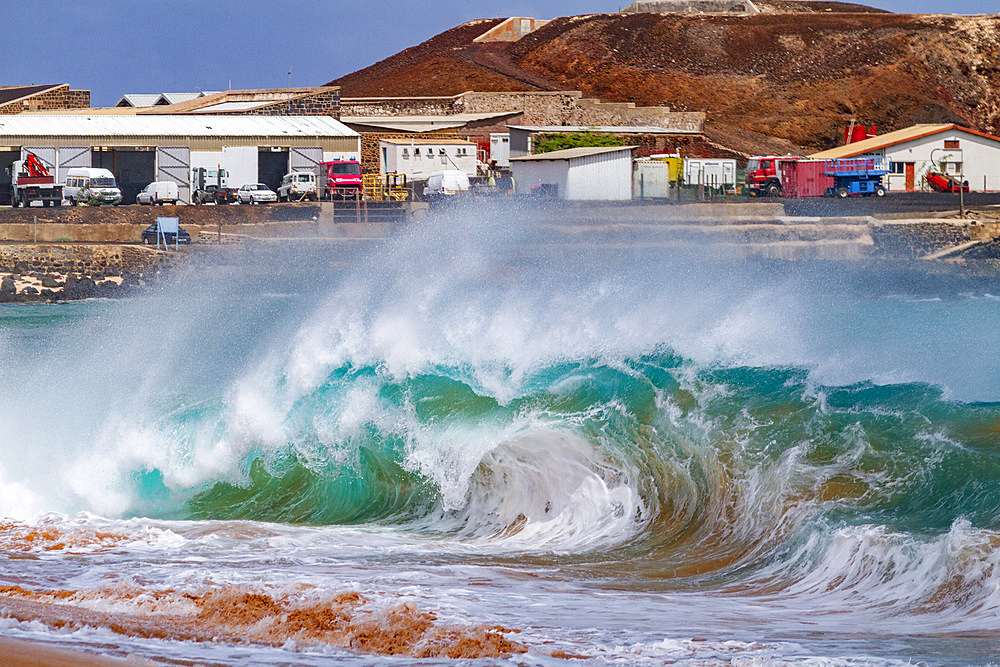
(75, 271)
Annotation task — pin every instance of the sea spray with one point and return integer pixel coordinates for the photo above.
(779, 458)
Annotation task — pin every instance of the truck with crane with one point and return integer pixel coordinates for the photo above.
(31, 181)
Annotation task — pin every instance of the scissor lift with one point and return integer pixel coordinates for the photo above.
(857, 176)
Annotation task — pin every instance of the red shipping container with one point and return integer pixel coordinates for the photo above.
(805, 178)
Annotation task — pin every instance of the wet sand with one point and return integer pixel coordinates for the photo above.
(20, 653)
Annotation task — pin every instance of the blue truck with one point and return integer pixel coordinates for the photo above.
(857, 176)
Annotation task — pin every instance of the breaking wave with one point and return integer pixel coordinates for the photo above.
(689, 423)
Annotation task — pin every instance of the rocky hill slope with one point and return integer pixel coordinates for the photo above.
(796, 75)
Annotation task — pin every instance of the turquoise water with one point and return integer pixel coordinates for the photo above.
(630, 459)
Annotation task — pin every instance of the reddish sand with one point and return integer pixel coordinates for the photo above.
(19, 653)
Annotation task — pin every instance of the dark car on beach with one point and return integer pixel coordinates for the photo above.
(149, 235)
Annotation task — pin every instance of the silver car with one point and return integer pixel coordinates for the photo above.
(255, 193)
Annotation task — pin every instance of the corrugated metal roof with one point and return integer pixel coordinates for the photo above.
(607, 129)
(423, 123)
(232, 106)
(573, 153)
(176, 98)
(139, 100)
(22, 125)
(892, 138)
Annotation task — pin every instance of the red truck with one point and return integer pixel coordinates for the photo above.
(339, 177)
(763, 174)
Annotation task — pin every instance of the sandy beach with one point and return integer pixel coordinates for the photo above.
(20, 653)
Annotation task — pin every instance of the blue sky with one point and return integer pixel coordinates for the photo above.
(114, 47)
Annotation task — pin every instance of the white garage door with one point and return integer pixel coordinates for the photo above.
(241, 162)
(304, 158)
(173, 163)
(72, 156)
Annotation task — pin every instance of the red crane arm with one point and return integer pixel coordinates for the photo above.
(34, 166)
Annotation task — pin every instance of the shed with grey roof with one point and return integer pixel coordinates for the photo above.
(576, 174)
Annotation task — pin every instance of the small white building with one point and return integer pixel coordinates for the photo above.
(577, 174)
(916, 150)
(420, 156)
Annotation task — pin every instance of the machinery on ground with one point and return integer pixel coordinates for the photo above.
(946, 182)
(386, 187)
(858, 176)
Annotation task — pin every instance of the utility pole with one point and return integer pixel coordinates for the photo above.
(288, 91)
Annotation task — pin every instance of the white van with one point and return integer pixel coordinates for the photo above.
(158, 192)
(90, 185)
(297, 186)
(446, 184)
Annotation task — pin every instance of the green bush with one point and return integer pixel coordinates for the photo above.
(557, 141)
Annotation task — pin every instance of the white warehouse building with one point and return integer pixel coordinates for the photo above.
(916, 150)
(420, 156)
(145, 148)
(576, 174)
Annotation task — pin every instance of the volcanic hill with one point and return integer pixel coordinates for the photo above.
(800, 71)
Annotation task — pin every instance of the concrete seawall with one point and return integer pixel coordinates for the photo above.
(102, 244)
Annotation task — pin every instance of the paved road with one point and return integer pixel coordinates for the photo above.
(894, 202)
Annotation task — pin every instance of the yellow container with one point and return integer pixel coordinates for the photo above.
(676, 163)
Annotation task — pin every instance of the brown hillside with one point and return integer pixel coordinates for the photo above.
(798, 76)
(439, 66)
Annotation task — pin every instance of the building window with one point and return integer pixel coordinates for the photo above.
(442, 151)
(896, 167)
(951, 144)
(416, 152)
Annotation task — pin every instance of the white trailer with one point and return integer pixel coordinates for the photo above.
(500, 149)
(710, 172)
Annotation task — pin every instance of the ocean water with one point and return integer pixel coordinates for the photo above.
(477, 443)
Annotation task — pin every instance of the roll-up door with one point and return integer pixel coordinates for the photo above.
(241, 163)
(47, 156)
(173, 163)
(304, 158)
(72, 156)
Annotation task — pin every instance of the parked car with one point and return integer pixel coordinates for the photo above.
(90, 185)
(298, 186)
(149, 235)
(255, 193)
(158, 192)
(448, 183)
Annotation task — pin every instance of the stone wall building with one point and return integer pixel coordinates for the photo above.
(310, 101)
(693, 6)
(20, 99)
(535, 108)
